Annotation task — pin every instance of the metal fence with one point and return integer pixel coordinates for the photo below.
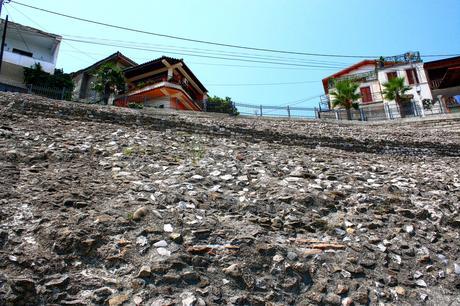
(50, 92)
(276, 111)
(381, 111)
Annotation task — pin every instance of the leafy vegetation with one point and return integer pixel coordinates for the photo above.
(135, 105)
(396, 90)
(221, 105)
(35, 76)
(109, 80)
(345, 95)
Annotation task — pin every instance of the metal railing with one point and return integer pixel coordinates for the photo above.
(50, 92)
(381, 111)
(276, 111)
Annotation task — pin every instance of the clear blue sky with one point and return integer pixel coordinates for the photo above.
(352, 27)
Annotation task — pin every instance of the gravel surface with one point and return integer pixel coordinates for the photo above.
(106, 214)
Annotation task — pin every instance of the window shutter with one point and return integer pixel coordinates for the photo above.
(410, 76)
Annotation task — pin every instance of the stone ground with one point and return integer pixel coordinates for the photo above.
(104, 214)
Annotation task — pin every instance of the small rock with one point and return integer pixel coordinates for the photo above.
(233, 270)
(188, 299)
(140, 213)
(457, 268)
(332, 299)
(400, 290)
(118, 300)
(144, 272)
(292, 256)
(226, 177)
(168, 228)
(421, 283)
(161, 243)
(410, 229)
(347, 301)
(341, 289)
(176, 237)
(163, 252)
(278, 258)
(58, 282)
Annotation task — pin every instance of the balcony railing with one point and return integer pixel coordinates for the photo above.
(359, 77)
(27, 61)
(434, 84)
(376, 97)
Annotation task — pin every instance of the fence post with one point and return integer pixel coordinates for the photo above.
(205, 105)
(390, 114)
(361, 113)
(30, 89)
(317, 113)
(414, 107)
(289, 112)
(62, 93)
(261, 110)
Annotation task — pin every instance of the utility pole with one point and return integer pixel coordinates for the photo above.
(2, 48)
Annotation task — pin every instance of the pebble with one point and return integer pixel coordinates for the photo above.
(163, 252)
(140, 213)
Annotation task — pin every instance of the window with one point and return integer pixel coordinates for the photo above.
(366, 94)
(412, 77)
(392, 75)
(22, 52)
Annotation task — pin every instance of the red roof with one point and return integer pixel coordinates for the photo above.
(346, 71)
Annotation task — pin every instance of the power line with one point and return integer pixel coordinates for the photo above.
(264, 84)
(39, 26)
(204, 53)
(208, 51)
(210, 42)
(203, 56)
(191, 39)
(19, 32)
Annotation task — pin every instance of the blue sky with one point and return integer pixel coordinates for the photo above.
(352, 27)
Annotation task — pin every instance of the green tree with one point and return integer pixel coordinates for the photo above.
(345, 95)
(109, 80)
(220, 105)
(396, 90)
(52, 85)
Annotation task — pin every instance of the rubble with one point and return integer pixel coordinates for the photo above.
(110, 214)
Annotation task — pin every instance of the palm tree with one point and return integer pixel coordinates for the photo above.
(395, 90)
(345, 95)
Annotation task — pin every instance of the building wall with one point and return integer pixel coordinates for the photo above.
(161, 102)
(425, 92)
(39, 51)
(376, 86)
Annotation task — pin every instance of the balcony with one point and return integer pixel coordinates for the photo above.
(162, 81)
(358, 77)
(27, 61)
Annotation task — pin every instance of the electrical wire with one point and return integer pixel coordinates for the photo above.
(264, 84)
(191, 39)
(202, 56)
(209, 51)
(208, 42)
(40, 27)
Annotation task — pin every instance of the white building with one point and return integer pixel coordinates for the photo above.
(25, 46)
(372, 74)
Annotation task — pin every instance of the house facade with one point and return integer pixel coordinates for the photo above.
(444, 79)
(24, 47)
(83, 79)
(372, 74)
(163, 83)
